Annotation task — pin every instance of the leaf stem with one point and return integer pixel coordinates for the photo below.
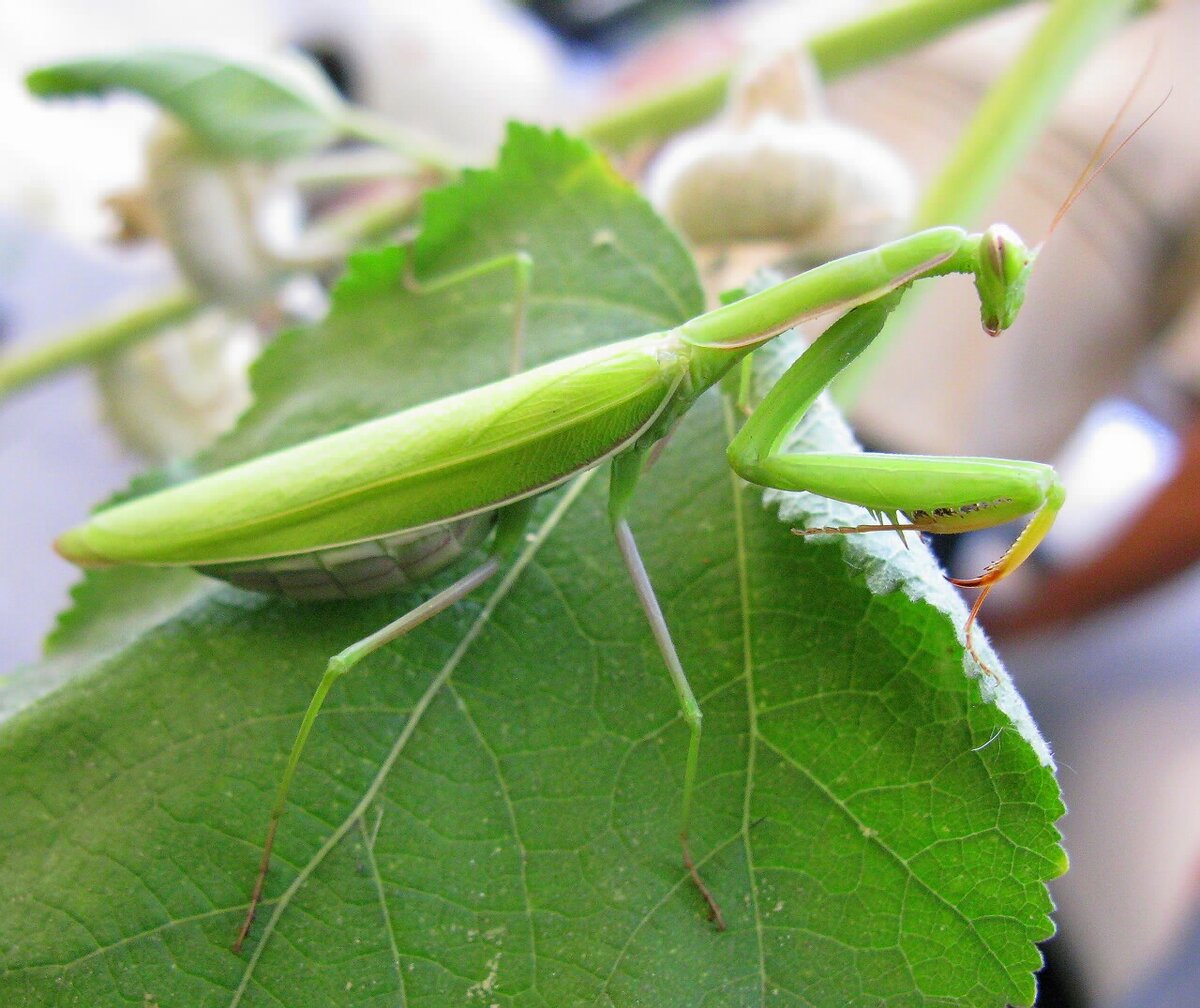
(423, 151)
(342, 167)
(837, 53)
(96, 341)
(1015, 109)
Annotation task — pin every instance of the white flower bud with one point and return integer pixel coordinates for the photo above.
(774, 168)
(210, 212)
(170, 396)
(773, 80)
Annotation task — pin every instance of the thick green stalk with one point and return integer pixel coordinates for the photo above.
(1007, 121)
(96, 341)
(1016, 108)
(838, 52)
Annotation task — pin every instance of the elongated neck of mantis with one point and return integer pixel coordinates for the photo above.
(720, 338)
(997, 259)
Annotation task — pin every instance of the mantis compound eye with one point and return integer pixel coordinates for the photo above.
(1004, 265)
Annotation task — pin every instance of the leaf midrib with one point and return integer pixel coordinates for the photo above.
(737, 490)
(755, 738)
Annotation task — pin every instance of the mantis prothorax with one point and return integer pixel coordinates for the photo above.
(394, 500)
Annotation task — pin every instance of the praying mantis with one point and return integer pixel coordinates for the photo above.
(395, 500)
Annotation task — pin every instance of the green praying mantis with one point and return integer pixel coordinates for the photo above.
(392, 501)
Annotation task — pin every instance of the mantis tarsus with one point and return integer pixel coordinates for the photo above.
(394, 500)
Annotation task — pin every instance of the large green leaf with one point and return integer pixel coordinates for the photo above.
(876, 829)
(251, 108)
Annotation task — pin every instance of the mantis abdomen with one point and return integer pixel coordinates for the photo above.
(362, 569)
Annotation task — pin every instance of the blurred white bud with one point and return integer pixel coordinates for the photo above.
(58, 160)
(220, 218)
(170, 396)
(774, 81)
(775, 168)
(823, 188)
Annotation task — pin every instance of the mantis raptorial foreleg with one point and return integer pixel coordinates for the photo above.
(937, 494)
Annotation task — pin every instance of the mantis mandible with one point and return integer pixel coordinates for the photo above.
(392, 501)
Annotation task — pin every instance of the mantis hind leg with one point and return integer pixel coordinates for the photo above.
(510, 526)
(521, 264)
(338, 666)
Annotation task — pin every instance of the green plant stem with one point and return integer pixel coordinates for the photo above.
(837, 52)
(1009, 118)
(97, 340)
(354, 166)
(426, 153)
(371, 221)
(1016, 108)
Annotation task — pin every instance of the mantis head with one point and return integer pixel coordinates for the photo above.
(1000, 276)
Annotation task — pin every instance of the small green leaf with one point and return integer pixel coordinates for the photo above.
(877, 830)
(260, 109)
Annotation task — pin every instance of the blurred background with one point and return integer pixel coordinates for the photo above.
(1101, 375)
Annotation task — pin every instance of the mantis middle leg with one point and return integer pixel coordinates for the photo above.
(520, 262)
(626, 469)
